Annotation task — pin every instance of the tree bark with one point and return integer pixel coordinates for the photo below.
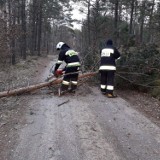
(39, 28)
(12, 22)
(131, 18)
(88, 23)
(33, 27)
(116, 36)
(142, 20)
(27, 89)
(150, 34)
(23, 16)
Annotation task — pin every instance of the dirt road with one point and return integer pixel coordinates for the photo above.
(88, 126)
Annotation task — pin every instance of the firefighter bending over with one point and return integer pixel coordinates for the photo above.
(107, 68)
(70, 57)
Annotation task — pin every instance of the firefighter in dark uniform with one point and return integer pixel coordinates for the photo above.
(107, 68)
(70, 57)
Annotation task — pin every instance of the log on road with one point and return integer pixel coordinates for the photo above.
(27, 89)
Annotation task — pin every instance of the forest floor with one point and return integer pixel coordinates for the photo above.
(84, 126)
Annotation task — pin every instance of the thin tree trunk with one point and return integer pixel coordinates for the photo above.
(116, 22)
(88, 18)
(13, 52)
(150, 22)
(36, 34)
(39, 28)
(18, 12)
(142, 21)
(131, 18)
(12, 20)
(33, 30)
(27, 89)
(23, 29)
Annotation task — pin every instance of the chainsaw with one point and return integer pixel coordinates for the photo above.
(58, 73)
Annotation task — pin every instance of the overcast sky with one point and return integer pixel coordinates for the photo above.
(77, 15)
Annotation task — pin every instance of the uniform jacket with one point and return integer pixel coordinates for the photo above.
(69, 56)
(108, 56)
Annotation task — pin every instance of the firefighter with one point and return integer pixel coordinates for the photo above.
(70, 57)
(107, 68)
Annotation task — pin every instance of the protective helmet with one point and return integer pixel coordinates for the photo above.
(59, 45)
(109, 42)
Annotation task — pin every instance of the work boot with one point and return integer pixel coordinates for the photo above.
(72, 91)
(109, 95)
(104, 93)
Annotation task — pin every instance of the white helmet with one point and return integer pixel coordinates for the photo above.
(59, 45)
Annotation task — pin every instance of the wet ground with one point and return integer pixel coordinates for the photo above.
(83, 126)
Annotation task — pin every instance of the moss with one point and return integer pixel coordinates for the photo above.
(156, 92)
(157, 82)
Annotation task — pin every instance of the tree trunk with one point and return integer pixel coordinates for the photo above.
(116, 22)
(13, 51)
(131, 18)
(23, 45)
(33, 27)
(12, 21)
(39, 28)
(142, 20)
(151, 22)
(27, 89)
(88, 19)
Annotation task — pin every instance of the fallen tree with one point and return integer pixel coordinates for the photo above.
(31, 88)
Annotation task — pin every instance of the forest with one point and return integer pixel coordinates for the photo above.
(30, 28)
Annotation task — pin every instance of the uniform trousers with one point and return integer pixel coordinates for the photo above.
(107, 81)
(70, 78)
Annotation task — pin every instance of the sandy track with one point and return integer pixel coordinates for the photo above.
(88, 127)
